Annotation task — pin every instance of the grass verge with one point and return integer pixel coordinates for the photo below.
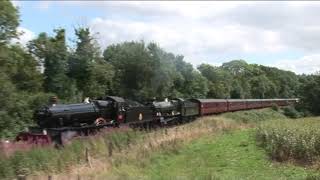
(51, 160)
(231, 155)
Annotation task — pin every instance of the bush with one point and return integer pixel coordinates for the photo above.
(275, 107)
(254, 116)
(291, 112)
(291, 139)
(18, 115)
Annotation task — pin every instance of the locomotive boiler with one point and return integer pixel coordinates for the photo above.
(95, 112)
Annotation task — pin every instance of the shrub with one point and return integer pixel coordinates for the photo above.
(254, 116)
(291, 139)
(275, 107)
(291, 112)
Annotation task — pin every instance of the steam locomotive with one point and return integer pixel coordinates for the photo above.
(108, 110)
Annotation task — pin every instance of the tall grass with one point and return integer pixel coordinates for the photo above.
(51, 160)
(290, 139)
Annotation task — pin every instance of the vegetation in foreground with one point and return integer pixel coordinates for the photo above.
(231, 155)
(52, 160)
(134, 159)
(289, 139)
(208, 142)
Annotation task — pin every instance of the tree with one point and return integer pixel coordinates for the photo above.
(52, 51)
(220, 81)
(133, 69)
(24, 70)
(309, 93)
(86, 66)
(9, 21)
(20, 81)
(236, 67)
(99, 79)
(259, 86)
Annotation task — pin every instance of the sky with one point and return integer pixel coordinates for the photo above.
(278, 34)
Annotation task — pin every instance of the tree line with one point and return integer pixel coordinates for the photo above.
(47, 66)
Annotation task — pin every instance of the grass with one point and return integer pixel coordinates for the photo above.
(291, 139)
(232, 155)
(52, 160)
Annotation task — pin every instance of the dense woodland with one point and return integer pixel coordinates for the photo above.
(134, 70)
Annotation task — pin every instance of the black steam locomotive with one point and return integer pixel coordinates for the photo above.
(108, 110)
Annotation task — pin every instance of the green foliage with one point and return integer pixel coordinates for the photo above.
(58, 160)
(23, 70)
(53, 52)
(275, 107)
(9, 21)
(133, 69)
(227, 156)
(219, 81)
(291, 112)
(255, 116)
(144, 71)
(20, 89)
(237, 79)
(291, 139)
(309, 93)
(93, 76)
(100, 79)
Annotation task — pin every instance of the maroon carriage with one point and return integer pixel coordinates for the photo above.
(212, 106)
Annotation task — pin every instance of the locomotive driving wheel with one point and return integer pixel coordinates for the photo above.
(100, 121)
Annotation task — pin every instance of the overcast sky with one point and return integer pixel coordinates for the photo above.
(280, 34)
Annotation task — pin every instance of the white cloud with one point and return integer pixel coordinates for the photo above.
(307, 64)
(198, 42)
(161, 8)
(205, 31)
(25, 36)
(16, 3)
